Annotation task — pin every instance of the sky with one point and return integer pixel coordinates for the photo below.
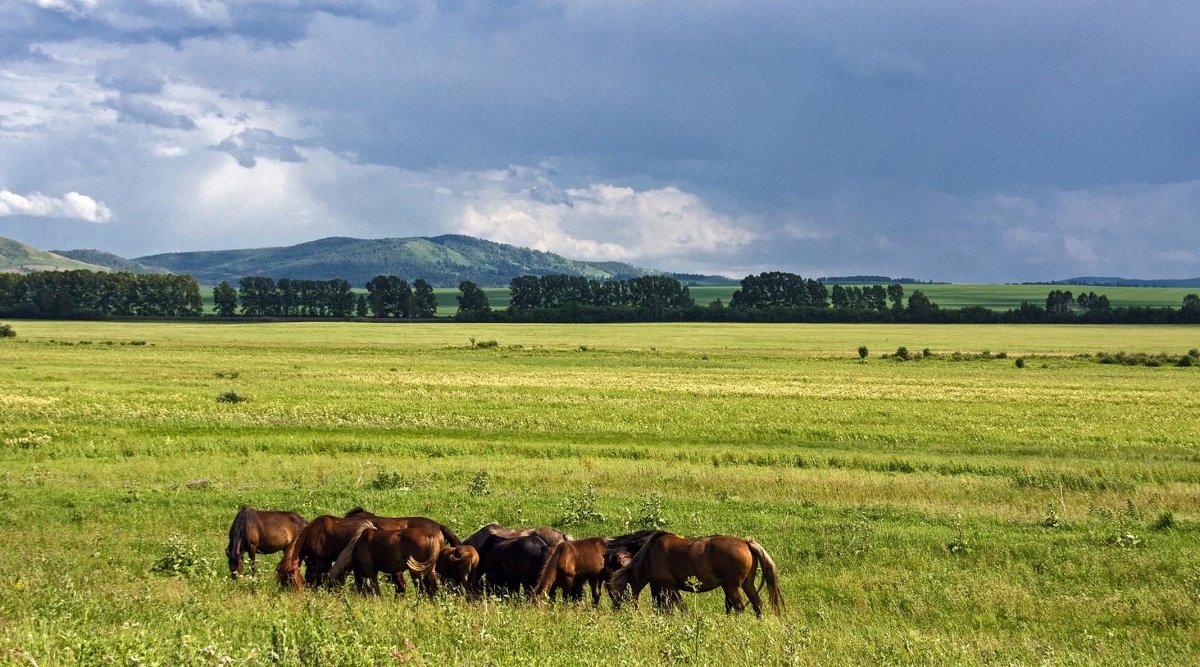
(940, 140)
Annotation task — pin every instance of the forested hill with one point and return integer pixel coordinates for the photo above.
(108, 260)
(442, 260)
(16, 257)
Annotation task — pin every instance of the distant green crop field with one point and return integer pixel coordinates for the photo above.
(1001, 297)
(929, 511)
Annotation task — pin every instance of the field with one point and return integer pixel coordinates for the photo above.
(931, 511)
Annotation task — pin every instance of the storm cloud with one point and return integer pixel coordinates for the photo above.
(1000, 141)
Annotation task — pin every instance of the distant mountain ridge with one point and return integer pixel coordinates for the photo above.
(1109, 281)
(442, 260)
(16, 257)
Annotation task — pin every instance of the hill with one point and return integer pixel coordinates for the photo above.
(16, 257)
(1109, 281)
(107, 259)
(442, 260)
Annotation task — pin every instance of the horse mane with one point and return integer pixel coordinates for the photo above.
(237, 534)
(347, 555)
(549, 572)
(621, 577)
(358, 511)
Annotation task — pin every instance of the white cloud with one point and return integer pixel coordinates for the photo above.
(71, 205)
(601, 221)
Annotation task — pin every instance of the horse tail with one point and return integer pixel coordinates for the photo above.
(620, 578)
(343, 560)
(549, 573)
(237, 538)
(770, 574)
(449, 536)
(419, 567)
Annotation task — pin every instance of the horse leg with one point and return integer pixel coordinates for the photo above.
(431, 584)
(595, 584)
(752, 594)
(253, 562)
(733, 598)
(399, 583)
(662, 597)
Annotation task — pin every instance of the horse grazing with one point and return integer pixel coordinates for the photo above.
(669, 563)
(402, 522)
(551, 536)
(372, 550)
(572, 564)
(317, 547)
(260, 532)
(457, 563)
(510, 565)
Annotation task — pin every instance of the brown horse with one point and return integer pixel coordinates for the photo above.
(669, 563)
(402, 522)
(551, 536)
(260, 532)
(414, 549)
(457, 563)
(317, 547)
(571, 565)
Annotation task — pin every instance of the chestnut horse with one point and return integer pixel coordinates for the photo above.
(401, 522)
(669, 563)
(413, 549)
(571, 565)
(317, 547)
(260, 532)
(617, 554)
(457, 563)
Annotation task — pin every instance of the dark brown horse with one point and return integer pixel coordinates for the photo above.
(551, 536)
(260, 532)
(402, 522)
(669, 563)
(571, 565)
(509, 565)
(317, 547)
(414, 549)
(457, 563)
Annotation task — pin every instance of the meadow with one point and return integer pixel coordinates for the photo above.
(929, 511)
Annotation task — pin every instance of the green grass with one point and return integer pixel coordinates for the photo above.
(922, 511)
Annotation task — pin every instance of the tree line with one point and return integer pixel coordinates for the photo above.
(92, 294)
(774, 296)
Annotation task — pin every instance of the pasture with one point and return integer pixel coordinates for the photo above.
(923, 511)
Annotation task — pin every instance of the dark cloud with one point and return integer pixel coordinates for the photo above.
(129, 76)
(132, 109)
(249, 145)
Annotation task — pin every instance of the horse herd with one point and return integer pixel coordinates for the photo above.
(534, 562)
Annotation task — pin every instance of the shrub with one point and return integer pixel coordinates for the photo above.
(484, 344)
(231, 396)
(182, 558)
(1165, 521)
(1020, 362)
(652, 515)
(926, 353)
(6, 331)
(386, 481)
(863, 351)
(1002, 355)
(1185, 361)
(902, 353)
(580, 509)
(480, 484)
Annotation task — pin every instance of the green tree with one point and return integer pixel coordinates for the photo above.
(895, 294)
(472, 300)
(360, 308)
(424, 300)
(225, 299)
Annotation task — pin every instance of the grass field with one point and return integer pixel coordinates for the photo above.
(996, 297)
(930, 511)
